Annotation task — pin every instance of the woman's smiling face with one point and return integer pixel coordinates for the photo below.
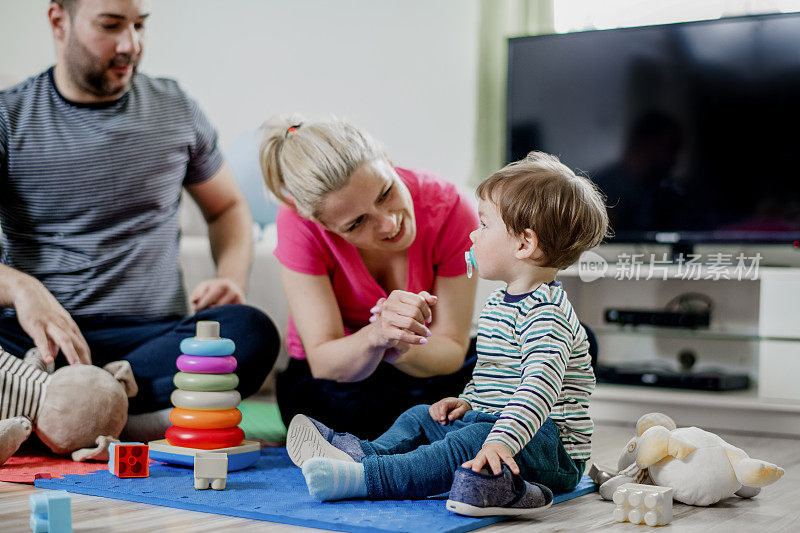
(374, 211)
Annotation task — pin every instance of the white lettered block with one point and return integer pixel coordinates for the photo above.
(643, 503)
(210, 468)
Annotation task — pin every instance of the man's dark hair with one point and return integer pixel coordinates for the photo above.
(67, 5)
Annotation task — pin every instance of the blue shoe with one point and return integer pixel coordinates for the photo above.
(307, 438)
(479, 494)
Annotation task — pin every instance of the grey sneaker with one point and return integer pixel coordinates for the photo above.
(307, 438)
(479, 494)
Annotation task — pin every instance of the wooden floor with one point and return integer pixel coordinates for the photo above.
(776, 509)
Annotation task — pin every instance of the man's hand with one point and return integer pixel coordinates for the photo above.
(449, 409)
(493, 453)
(215, 292)
(49, 325)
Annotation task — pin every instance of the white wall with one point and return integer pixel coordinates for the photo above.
(405, 70)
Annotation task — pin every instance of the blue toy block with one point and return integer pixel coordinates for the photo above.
(51, 512)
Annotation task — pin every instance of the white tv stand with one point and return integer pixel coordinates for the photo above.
(755, 328)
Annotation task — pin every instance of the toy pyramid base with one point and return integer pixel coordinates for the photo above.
(239, 457)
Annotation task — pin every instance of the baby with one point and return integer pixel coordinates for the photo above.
(525, 412)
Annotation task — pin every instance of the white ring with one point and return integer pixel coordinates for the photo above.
(189, 399)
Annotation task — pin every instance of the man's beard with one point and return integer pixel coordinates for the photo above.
(90, 74)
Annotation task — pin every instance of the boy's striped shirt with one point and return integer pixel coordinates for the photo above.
(533, 362)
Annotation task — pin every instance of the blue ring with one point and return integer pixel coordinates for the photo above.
(213, 348)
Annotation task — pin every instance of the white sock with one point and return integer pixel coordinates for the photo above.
(330, 479)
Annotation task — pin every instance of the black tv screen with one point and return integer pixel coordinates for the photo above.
(692, 130)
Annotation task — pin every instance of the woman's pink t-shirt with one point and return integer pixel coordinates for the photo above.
(444, 220)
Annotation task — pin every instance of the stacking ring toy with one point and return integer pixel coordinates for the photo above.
(202, 364)
(208, 347)
(199, 419)
(205, 400)
(204, 439)
(205, 382)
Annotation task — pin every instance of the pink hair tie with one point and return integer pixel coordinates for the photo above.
(292, 130)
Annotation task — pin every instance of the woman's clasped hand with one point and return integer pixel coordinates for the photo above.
(402, 319)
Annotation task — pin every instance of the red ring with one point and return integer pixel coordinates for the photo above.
(204, 439)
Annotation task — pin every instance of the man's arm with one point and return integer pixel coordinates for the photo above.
(38, 312)
(42, 317)
(229, 229)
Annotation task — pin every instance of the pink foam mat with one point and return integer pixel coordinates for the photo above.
(31, 465)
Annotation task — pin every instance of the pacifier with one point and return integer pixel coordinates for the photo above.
(469, 257)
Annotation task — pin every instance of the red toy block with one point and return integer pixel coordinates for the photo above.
(129, 459)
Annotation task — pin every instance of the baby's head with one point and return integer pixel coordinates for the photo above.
(549, 214)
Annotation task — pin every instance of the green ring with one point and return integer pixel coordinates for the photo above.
(205, 382)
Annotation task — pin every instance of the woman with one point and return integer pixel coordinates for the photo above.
(372, 262)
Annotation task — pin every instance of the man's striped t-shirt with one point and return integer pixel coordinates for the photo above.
(533, 363)
(89, 193)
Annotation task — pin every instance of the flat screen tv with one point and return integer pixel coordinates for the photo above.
(692, 130)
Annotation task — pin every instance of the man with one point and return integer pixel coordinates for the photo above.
(93, 157)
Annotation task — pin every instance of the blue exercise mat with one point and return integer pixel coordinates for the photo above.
(274, 490)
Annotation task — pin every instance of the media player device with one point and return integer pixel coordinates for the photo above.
(661, 377)
(668, 319)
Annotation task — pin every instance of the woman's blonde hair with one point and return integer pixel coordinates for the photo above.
(303, 161)
(566, 211)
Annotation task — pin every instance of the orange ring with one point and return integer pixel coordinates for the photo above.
(204, 439)
(205, 419)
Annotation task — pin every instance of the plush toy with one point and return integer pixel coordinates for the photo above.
(77, 410)
(625, 473)
(601, 474)
(699, 466)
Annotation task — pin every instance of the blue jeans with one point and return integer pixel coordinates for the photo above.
(153, 346)
(417, 456)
